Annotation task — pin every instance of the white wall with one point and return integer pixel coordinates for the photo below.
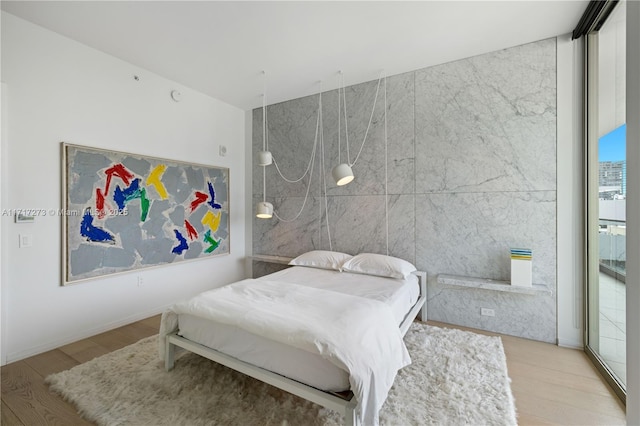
(248, 190)
(59, 90)
(3, 137)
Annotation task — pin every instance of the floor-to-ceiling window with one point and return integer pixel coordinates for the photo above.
(606, 169)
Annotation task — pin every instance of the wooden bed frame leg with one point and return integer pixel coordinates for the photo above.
(169, 355)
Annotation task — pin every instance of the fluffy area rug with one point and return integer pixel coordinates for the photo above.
(456, 377)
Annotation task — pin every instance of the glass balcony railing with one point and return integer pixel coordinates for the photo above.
(612, 296)
(613, 238)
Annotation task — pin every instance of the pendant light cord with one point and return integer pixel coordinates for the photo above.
(293, 180)
(275, 163)
(265, 118)
(346, 127)
(323, 178)
(375, 100)
(386, 165)
(386, 155)
(339, 117)
(264, 112)
(264, 137)
(311, 162)
(319, 136)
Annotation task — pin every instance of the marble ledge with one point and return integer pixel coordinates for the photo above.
(496, 285)
(271, 259)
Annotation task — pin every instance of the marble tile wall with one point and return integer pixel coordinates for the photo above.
(471, 172)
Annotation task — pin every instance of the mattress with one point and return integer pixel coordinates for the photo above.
(297, 364)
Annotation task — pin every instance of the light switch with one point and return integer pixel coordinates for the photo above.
(26, 240)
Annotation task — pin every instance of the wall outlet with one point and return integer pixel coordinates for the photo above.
(487, 312)
(140, 281)
(25, 240)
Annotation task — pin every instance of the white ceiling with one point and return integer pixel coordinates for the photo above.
(221, 48)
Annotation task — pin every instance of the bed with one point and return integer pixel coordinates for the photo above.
(342, 297)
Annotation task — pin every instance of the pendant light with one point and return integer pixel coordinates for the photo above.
(264, 158)
(264, 210)
(342, 173)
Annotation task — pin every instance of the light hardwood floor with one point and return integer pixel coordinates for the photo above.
(551, 385)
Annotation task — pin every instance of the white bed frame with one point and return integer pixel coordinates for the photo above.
(344, 403)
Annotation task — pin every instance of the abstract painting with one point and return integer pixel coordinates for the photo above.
(123, 212)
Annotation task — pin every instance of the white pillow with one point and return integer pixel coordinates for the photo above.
(322, 259)
(380, 265)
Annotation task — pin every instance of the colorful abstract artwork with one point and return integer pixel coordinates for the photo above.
(125, 211)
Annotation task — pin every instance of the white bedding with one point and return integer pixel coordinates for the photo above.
(305, 367)
(400, 295)
(275, 338)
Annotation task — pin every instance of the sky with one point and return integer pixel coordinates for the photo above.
(612, 147)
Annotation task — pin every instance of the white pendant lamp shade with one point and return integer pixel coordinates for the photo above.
(264, 210)
(264, 158)
(342, 174)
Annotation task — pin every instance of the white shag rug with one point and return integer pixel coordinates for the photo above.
(456, 378)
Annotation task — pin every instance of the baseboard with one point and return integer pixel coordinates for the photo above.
(17, 356)
(568, 343)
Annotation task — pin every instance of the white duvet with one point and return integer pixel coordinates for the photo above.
(355, 334)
